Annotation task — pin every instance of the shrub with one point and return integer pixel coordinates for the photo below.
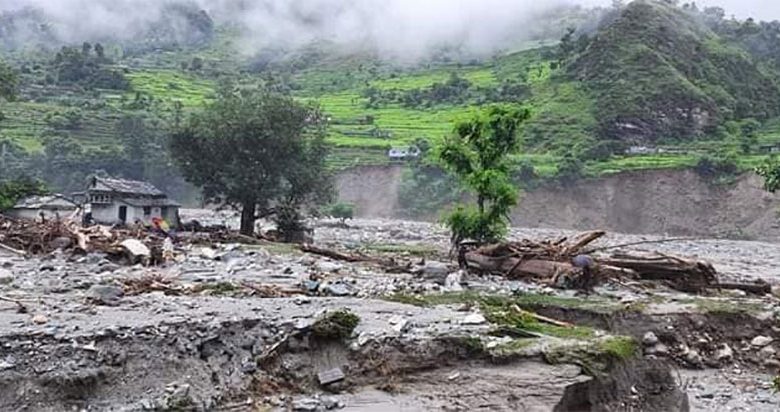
(340, 210)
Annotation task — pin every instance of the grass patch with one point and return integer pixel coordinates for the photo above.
(171, 85)
(529, 301)
(335, 325)
(619, 347)
(219, 288)
(499, 310)
(422, 250)
(596, 356)
(726, 306)
(507, 316)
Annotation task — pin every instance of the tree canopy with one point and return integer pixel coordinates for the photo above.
(770, 171)
(260, 151)
(8, 82)
(13, 190)
(477, 153)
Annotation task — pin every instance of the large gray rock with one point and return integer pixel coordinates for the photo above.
(107, 295)
(6, 276)
(135, 249)
(761, 341)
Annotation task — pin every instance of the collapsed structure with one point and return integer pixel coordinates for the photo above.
(106, 201)
(121, 201)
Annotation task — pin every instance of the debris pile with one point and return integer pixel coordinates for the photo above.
(27, 237)
(566, 263)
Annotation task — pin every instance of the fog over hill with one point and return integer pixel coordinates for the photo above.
(399, 27)
(757, 9)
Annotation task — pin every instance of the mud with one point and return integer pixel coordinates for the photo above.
(665, 202)
(83, 345)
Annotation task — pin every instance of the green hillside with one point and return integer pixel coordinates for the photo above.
(684, 82)
(656, 72)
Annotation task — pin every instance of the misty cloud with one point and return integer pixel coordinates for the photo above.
(396, 28)
(758, 9)
(399, 27)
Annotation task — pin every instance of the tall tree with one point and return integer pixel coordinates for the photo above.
(256, 150)
(770, 171)
(477, 153)
(8, 82)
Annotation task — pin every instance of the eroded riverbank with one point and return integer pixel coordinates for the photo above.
(422, 343)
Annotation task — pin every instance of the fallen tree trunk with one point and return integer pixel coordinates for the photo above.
(516, 268)
(683, 274)
(333, 254)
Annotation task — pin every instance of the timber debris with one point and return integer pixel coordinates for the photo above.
(565, 263)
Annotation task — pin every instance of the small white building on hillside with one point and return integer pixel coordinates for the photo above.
(404, 153)
(50, 207)
(119, 201)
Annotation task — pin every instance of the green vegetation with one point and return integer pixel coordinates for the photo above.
(658, 73)
(420, 249)
(216, 150)
(14, 190)
(477, 155)
(595, 357)
(342, 211)
(770, 171)
(335, 325)
(508, 314)
(691, 84)
(527, 301)
(8, 82)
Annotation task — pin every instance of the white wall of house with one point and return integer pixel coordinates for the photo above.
(34, 214)
(108, 214)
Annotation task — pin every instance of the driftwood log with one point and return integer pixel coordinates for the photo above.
(565, 263)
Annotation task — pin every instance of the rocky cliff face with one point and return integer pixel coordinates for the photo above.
(670, 202)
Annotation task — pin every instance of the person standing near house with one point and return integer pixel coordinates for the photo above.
(160, 226)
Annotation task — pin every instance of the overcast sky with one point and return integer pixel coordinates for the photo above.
(399, 28)
(758, 9)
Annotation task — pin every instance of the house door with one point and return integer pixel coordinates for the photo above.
(123, 214)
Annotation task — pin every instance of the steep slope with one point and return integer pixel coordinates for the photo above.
(659, 73)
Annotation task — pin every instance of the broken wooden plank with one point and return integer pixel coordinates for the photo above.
(581, 241)
(761, 288)
(543, 319)
(332, 254)
(12, 250)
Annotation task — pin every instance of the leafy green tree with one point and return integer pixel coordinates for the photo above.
(8, 82)
(342, 211)
(13, 190)
(570, 168)
(259, 151)
(477, 153)
(748, 134)
(770, 171)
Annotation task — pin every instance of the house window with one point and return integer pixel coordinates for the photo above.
(105, 199)
(147, 211)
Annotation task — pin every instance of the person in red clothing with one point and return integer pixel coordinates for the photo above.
(159, 226)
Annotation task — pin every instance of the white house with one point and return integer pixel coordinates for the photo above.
(403, 153)
(120, 201)
(50, 207)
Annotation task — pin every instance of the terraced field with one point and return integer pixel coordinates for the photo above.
(562, 111)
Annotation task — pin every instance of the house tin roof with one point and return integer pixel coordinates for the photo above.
(124, 186)
(50, 202)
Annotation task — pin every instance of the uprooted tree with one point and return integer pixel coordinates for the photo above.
(258, 151)
(477, 153)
